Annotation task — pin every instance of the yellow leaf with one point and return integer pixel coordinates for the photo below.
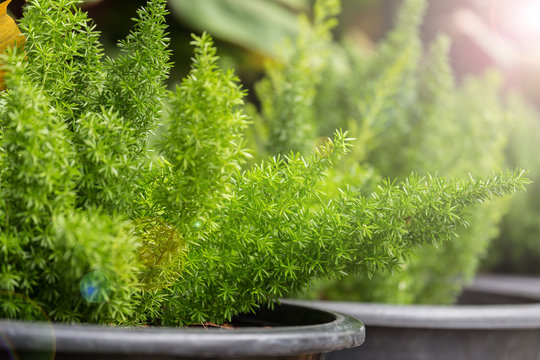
(10, 34)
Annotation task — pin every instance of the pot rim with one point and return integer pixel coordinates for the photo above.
(464, 317)
(343, 332)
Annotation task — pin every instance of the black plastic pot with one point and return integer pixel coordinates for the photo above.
(287, 332)
(507, 328)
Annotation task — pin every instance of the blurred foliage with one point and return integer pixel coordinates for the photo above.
(517, 249)
(287, 92)
(254, 24)
(451, 133)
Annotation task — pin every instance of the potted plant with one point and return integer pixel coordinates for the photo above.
(109, 216)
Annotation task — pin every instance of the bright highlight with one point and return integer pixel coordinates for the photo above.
(517, 23)
(526, 17)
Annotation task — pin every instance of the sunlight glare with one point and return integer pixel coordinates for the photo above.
(517, 24)
(526, 17)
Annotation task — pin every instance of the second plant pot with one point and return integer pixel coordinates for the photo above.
(497, 318)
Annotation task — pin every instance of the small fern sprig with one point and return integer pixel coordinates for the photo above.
(134, 83)
(202, 145)
(105, 145)
(65, 54)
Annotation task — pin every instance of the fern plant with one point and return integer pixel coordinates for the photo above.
(100, 224)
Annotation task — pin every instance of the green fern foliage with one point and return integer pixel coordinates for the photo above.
(97, 268)
(46, 250)
(134, 83)
(194, 171)
(83, 158)
(100, 224)
(408, 115)
(104, 147)
(207, 103)
(65, 53)
(38, 175)
(384, 87)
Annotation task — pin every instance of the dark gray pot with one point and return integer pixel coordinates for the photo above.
(508, 328)
(287, 332)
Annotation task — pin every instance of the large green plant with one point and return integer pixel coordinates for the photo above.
(98, 225)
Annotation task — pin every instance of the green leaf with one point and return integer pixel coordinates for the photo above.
(256, 24)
